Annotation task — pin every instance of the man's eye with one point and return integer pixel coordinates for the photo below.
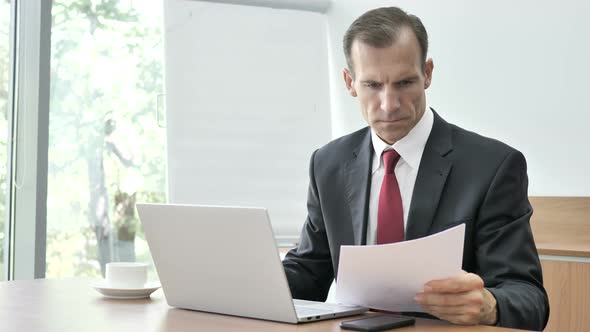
(373, 85)
(404, 83)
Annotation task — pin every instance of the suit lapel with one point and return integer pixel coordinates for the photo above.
(430, 181)
(357, 176)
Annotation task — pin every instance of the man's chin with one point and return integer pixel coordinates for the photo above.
(389, 137)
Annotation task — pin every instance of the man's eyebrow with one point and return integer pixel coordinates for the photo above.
(408, 78)
(411, 77)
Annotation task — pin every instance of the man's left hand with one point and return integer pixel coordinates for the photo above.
(460, 300)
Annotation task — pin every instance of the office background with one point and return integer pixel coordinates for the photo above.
(249, 93)
(107, 103)
(515, 71)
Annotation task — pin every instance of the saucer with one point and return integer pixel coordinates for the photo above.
(125, 293)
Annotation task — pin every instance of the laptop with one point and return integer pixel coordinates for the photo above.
(225, 260)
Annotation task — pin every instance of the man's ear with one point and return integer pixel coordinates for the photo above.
(428, 68)
(349, 81)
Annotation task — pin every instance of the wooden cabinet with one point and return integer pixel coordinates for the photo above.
(568, 287)
(561, 226)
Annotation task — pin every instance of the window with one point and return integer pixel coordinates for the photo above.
(106, 147)
(4, 84)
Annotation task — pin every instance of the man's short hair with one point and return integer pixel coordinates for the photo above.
(380, 27)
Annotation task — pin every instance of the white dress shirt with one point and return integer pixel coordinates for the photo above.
(410, 149)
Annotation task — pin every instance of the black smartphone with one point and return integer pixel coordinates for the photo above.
(377, 323)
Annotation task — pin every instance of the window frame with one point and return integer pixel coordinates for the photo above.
(28, 118)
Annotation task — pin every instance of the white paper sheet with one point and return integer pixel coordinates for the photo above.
(388, 276)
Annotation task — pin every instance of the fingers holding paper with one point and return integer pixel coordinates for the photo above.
(460, 300)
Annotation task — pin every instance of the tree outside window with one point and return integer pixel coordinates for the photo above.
(106, 150)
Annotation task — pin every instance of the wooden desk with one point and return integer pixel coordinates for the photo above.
(72, 305)
(561, 226)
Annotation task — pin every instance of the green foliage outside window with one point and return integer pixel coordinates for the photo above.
(106, 151)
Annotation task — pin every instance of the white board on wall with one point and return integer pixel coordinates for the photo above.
(247, 102)
(514, 70)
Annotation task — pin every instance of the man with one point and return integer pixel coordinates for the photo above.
(411, 174)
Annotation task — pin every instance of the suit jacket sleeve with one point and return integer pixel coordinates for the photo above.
(309, 266)
(507, 259)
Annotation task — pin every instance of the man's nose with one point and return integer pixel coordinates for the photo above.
(389, 100)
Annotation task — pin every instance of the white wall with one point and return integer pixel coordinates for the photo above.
(240, 79)
(247, 103)
(513, 70)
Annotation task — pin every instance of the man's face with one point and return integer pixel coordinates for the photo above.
(390, 84)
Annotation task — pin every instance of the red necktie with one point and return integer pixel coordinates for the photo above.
(390, 215)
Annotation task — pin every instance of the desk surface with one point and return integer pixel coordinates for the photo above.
(561, 225)
(72, 305)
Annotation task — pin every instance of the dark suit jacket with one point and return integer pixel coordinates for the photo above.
(463, 178)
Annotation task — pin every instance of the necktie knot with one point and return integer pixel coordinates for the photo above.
(390, 159)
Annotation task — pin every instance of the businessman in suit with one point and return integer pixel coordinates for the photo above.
(410, 174)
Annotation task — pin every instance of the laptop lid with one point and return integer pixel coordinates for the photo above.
(218, 259)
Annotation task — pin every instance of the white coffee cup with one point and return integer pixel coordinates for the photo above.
(126, 275)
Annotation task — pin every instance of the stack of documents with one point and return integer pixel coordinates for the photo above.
(388, 276)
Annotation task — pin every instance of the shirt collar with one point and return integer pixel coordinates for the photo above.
(409, 147)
